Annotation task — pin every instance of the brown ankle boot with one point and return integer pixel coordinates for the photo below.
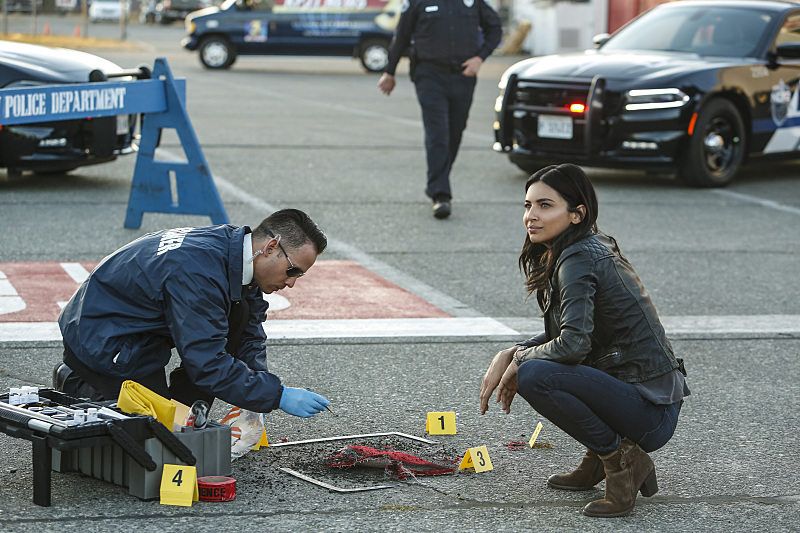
(588, 474)
(628, 470)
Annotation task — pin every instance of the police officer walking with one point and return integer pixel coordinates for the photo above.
(449, 40)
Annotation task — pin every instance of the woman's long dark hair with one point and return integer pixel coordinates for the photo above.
(537, 261)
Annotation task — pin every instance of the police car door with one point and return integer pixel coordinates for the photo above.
(253, 29)
(776, 117)
(318, 29)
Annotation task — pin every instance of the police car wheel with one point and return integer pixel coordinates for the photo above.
(374, 55)
(716, 148)
(216, 52)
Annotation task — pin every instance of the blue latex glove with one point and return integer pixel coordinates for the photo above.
(302, 402)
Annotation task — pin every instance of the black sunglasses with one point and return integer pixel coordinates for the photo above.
(293, 271)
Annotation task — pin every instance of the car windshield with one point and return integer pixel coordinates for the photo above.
(712, 31)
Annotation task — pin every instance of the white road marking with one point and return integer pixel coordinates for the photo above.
(78, 274)
(386, 327)
(76, 271)
(774, 325)
(756, 200)
(6, 289)
(277, 302)
(728, 327)
(10, 301)
(725, 326)
(313, 329)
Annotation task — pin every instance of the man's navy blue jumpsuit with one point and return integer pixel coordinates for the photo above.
(175, 288)
(444, 34)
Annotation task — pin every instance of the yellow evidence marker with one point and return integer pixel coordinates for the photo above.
(263, 442)
(179, 485)
(540, 427)
(481, 461)
(441, 423)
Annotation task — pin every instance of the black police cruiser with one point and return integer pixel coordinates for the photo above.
(350, 28)
(60, 146)
(696, 88)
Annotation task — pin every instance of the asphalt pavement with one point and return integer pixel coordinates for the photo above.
(316, 134)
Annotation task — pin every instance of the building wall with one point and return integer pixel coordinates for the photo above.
(559, 26)
(621, 11)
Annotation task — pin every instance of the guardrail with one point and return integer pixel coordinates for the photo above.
(183, 187)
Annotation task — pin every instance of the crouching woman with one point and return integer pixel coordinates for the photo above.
(603, 371)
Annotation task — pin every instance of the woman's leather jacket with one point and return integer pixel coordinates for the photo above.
(598, 314)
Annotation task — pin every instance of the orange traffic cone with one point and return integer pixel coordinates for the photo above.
(47, 28)
(77, 30)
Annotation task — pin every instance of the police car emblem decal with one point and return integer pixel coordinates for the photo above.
(786, 136)
(779, 102)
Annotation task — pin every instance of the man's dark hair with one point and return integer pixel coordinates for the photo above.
(295, 228)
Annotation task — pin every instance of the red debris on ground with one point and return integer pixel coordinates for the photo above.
(397, 465)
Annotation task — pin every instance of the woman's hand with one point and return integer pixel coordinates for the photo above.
(495, 374)
(508, 387)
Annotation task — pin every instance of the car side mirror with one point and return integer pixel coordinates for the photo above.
(600, 39)
(97, 75)
(785, 50)
(788, 50)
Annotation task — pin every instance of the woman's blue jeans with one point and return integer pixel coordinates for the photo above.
(594, 408)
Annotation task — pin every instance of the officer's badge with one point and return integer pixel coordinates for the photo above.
(779, 102)
(469, 3)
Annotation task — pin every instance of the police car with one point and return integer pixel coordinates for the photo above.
(693, 88)
(64, 145)
(353, 28)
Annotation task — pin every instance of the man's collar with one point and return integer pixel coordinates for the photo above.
(247, 264)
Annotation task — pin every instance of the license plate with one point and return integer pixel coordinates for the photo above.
(555, 127)
(123, 126)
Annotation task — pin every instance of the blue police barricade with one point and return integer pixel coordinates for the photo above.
(157, 186)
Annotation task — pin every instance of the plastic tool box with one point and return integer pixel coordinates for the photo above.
(210, 447)
(127, 450)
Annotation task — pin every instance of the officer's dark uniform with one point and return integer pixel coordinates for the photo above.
(444, 34)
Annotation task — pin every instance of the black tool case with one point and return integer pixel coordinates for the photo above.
(129, 452)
